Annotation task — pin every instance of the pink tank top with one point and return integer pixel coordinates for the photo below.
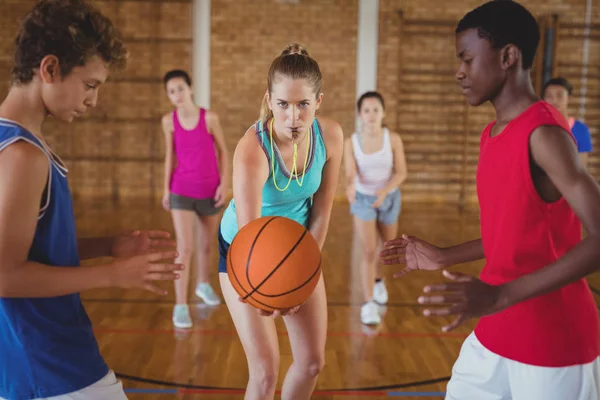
(196, 172)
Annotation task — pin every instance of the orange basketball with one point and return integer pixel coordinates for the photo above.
(274, 263)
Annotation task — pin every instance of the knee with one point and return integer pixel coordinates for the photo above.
(313, 366)
(370, 253)
(264, 375)
(205, 247)
(184, 250)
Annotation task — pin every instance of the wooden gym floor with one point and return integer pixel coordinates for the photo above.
(407, 356)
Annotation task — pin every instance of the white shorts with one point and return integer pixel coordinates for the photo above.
(480, 374)
(107, 388)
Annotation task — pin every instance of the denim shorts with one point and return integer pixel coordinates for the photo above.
(387, 213)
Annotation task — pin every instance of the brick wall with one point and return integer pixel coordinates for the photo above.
(416, 74)
(246, 39)
(117, 151)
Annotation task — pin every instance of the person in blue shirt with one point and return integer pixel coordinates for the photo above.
(557, 91)
(64, 51)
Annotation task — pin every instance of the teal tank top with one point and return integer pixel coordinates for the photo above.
(296, 201)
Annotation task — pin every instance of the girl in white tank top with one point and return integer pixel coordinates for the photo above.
(375, 167)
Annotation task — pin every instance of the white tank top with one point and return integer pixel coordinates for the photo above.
(375, 169)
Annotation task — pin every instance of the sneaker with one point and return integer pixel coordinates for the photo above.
(369, 314)
(207, 294)
(181, 316)
(380, 293)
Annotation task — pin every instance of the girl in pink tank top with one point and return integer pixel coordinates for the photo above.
(195, 184)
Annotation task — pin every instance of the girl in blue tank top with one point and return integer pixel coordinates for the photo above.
(47, 346)
(266, 181)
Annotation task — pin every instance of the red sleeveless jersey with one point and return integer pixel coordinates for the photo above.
(520, 234)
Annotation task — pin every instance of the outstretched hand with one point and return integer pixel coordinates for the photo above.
(469, 298)
(141, 242)
(413, 252)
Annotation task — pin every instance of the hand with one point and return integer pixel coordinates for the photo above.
(351, 193)
(166, 203)
(277, 313)
(470, 298)
(140, 242)
(141, 271)
(412, 251)
(219, 196)
(380, 198)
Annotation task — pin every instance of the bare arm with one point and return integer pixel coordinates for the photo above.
(167, 127)
(23, 175)
(400, 171)
(214, 126)
(554, 152)
(250, 171)
(350, 170)
(462, 253)
(323, 198)
(349, 162)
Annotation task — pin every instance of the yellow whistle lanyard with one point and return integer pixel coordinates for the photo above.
(294, 170)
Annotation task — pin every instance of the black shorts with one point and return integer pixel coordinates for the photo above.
(202, 207)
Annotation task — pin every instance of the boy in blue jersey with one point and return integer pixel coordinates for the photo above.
(64, 51)
(557, 91)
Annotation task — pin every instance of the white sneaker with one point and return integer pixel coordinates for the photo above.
(380, 293)
(181, 316)
(207, 294)
(369, 314)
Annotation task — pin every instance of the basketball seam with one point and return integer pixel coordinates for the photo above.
(252, 250)
(241, 288)
(255, 289)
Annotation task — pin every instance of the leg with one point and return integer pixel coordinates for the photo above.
(206, 234)
(577, 382)
(260, 342)
(307, 330)
(183, 220)
(478, 374)
(367, 237)
(366, 234)
(387, 227)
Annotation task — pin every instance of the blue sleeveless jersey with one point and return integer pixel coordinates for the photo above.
(47, 347)
(296, 201)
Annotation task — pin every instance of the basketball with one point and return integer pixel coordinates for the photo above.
(274, 263)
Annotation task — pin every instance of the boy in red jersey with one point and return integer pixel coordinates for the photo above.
(533, 192)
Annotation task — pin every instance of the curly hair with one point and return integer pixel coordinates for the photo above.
(71, 30)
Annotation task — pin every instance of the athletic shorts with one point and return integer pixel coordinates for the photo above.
(387, 213)
(202, 207)
(223, 249)
(108, 387)
(480, 374)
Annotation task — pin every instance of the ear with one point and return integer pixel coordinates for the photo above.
(268, 100)
(509, 56)
(50, 69)
(319, 100)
